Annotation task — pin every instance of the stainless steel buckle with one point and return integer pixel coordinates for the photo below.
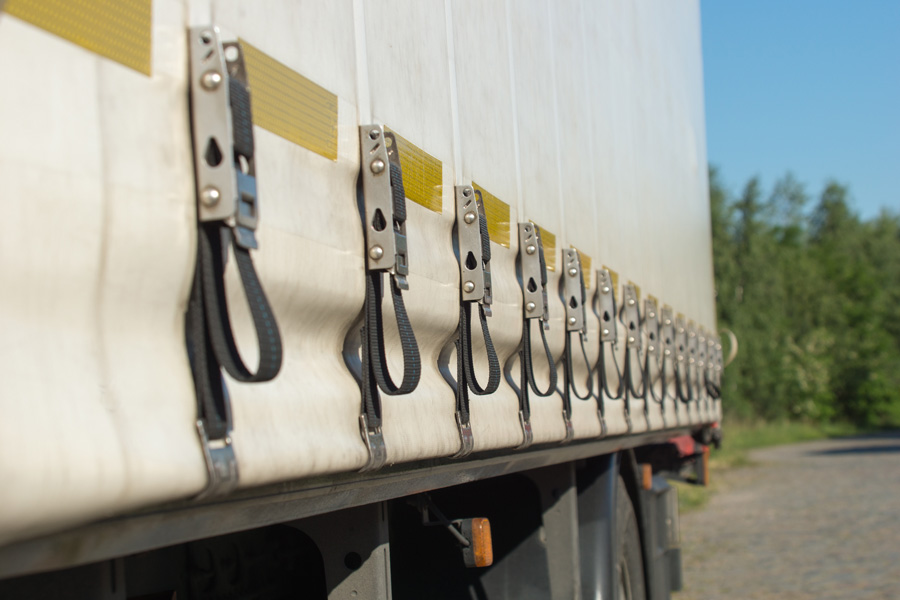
(374, 440)
(226, 181)
(527, 433)
(667, 330)
(692, 345)
(534, 293)
(466, 439)
(605, 306)
(719, 362)
(386, 248)
(221, 464)
(701, 348)
(651, 326)
(574, 291)
(631, 316)
(681, 347)
(570, 429)
(468, 235)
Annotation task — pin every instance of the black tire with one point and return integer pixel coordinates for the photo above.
(629, 563)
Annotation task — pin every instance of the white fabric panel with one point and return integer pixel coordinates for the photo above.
(96, 261)
(533, 71)
(309, 260)
(576, 185)
(488, 154)
(586, 117)
(408, 73)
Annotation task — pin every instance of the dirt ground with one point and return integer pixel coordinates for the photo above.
(817, 520)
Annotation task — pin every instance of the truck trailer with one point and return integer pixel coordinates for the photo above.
(351, 299)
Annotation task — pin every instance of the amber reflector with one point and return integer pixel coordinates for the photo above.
(482, 547)
(647, 476)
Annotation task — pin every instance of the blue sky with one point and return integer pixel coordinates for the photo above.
(807, 86)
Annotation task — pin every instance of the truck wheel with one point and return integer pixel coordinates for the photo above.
(630, 564)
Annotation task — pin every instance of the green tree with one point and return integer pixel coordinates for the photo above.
(813, 297)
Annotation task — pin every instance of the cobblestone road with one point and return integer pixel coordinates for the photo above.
(817, 520)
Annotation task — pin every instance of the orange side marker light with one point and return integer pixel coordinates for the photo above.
(480, 551)
(647, 476)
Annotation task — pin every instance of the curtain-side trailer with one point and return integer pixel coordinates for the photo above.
(351, 299)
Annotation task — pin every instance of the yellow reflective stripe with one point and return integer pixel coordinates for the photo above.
(121, 30)
(290, 105)
(497, 213)
(423, 174)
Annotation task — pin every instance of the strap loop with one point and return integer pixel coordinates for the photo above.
(412, 366)
(214, 240)
(528, 364)
(464, 348)
(570, 373)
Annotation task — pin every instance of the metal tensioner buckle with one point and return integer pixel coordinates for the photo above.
(223, 134)
(385, 214)
(221, 464)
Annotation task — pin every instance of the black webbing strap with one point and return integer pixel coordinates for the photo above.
(526, 370)
(680, 382)
(603, 383)
(570, 372)
(375, 367)
(212, 404)
(398, 193)
(712, 389)
(373, 339)
(630, 370)
(661, 370)
(625, 389)
(462, 390)
(528, 363)
(371, 405)
(215, 238)
(464, 351)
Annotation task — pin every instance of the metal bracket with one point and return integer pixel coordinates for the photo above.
(468, 232)
(701, 349)
(711, 358)
(605, 306)
(651, 326)
(720, 363)
(488, 298)
(374, 440)
(603, 428)
(527, 433)
(223, 134)
(570, 429)
(692, 345)
(631, 316)
(534, 291)
(221, 464)
(466, 439)
(681, 347)
(386, 248)
(574, 291)
(667, 330)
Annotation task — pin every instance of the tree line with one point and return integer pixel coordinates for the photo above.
(812, 292)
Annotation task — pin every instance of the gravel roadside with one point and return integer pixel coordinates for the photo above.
(816, 520)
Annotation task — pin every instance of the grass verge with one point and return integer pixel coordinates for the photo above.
(740, 438)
